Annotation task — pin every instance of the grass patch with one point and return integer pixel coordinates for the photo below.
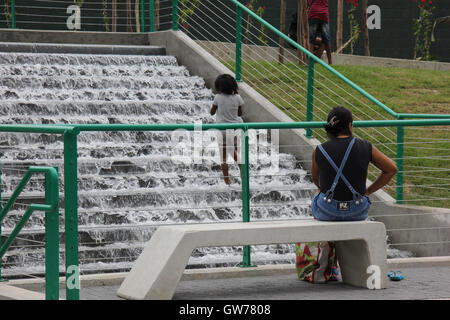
(404, 90)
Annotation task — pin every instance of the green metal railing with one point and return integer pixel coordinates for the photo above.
(151, 18)
(13, 14)
(400, 149)
(51, 209)
(151, 8)
(70, 133)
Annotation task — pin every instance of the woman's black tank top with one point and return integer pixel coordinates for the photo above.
(355, 169)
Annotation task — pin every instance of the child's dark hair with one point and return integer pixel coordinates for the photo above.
(338, 121)
(226, 84)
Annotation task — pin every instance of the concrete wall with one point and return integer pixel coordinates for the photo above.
(405, 224)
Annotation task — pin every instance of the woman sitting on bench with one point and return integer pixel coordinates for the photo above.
(339, 170)
(348, 187)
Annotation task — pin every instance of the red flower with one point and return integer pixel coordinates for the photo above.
(421, 3)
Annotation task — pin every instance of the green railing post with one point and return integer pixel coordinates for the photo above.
(13, 14)
(71, 216)
(51, 225)
(310, 96)
(1, 206)
(142, 16)
(400, 155)
(52, 237)
(152, 15)
(238, 64)
(245, 163)
(175, 15)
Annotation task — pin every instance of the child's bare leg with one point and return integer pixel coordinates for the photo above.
(319, 51)
(328, 50)
(226, 177)
(224, 166)
(237, 160)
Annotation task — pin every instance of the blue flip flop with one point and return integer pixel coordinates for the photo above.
(395, 275)
(334, 274)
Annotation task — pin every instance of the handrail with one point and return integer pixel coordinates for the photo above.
(253, 125)
(37, 128)
(51, 208)
(422, 116)
(312, 57)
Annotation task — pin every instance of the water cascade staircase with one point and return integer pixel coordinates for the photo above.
(129, 182)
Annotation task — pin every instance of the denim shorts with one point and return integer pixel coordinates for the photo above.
(319, 28)
(322, 216)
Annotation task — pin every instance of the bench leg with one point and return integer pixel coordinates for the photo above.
(362, 264)
(157, 271)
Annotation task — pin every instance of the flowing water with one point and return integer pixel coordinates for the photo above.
(131, 182)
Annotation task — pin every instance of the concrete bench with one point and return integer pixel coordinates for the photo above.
(159, 268)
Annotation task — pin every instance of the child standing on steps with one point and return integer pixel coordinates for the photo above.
(227, 106)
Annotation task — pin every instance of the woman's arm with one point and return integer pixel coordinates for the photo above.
(213, 110)
(387, 167)
(315, 170)
(240, 111)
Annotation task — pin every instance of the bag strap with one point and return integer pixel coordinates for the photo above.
(339, 171)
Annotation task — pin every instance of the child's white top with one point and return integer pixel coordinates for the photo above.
(227, 107)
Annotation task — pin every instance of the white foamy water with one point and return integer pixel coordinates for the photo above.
(131, 182)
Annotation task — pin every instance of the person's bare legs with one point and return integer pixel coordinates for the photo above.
(226, 177)
(328, 50)
(319, 51)
(237, 161)
(224, 165)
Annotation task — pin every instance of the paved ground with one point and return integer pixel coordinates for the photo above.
(419, 283)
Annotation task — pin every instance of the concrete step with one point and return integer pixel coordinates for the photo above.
(132, 82)
(110, 108)
(106, 94)
(8, 292)
(216, 206)
(81, 48)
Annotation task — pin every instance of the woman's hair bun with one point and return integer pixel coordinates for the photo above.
(338, 120)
